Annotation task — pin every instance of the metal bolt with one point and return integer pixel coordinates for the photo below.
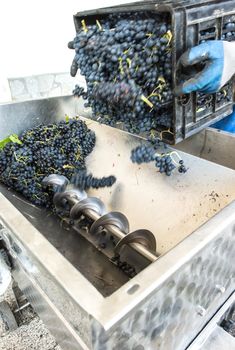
(220, 288)
(201, 310)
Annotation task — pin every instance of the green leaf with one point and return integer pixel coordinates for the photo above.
(15, 139)
(12, 138)
(4, 142)
(67, 118)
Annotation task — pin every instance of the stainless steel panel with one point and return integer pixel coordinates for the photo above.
(185, 295)
(211, 144)
(18, 116)
(5, 275)
(48, 270)
(170, 207)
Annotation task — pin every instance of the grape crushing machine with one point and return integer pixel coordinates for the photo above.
(147, 264)
(177, 233)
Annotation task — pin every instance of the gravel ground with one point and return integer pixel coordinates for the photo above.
(30, 336)
(31, 333)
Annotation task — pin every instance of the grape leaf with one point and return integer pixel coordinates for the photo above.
(11, 138)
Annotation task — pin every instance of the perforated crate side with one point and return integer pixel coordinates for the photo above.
(207, 22)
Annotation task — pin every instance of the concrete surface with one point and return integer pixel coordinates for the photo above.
(38, 86)
(41, 86)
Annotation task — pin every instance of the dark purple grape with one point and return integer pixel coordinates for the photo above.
(56, 148)
(127, 63)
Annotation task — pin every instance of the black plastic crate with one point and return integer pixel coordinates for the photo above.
(192, 23)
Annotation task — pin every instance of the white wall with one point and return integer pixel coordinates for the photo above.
(34, 36)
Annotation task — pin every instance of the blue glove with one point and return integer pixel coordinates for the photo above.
(219, 59)
(226, 124)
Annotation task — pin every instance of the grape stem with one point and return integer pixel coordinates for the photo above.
(171, 155)
(165, 131)
(99, 25)
(178, 156)
(145, 99)
(84, 27)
